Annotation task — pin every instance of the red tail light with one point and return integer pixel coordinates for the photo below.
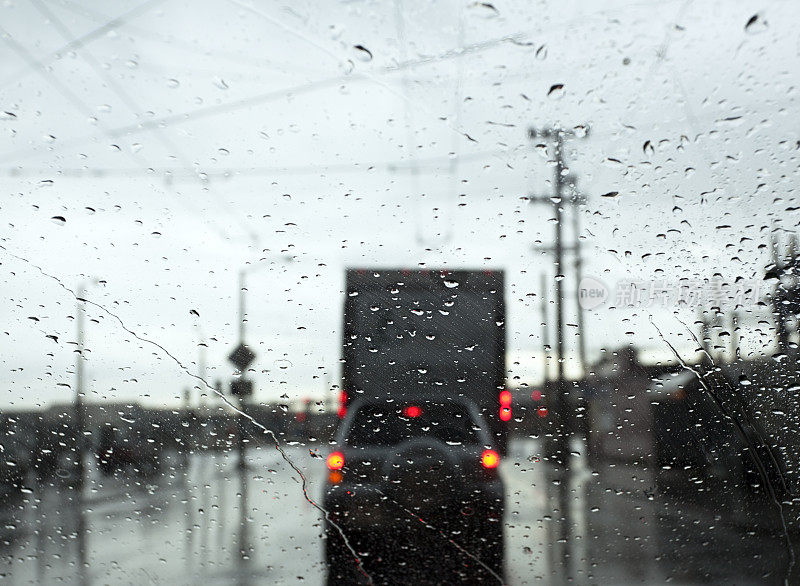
(505, 405)
(412, 411)
(490, 459)
(342, 405)
(335, 461)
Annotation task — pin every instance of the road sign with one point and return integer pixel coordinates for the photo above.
(241, 387)
(242, 356)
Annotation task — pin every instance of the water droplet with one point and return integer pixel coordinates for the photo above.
(755, 24)
(556, 91)
(362, 53)
(60, 220)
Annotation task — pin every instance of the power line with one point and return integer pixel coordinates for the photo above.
(426, 165)
(115, 87)
(41, 64)
(308, 87)
(174, 42)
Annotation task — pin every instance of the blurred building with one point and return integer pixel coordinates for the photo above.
(620, 394)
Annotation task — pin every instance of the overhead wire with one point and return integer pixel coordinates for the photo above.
(131, 104)
(76, 43)
(73, 99)
(303, 88)
(259, 61)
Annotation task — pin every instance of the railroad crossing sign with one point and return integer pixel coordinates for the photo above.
(241, 357)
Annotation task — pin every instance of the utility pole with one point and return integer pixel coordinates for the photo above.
(735, 340)
(545, 334)
(560, 451)
(556, 200)
(577, 200)
(79, 407)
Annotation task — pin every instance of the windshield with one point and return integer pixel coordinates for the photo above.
(239, 238)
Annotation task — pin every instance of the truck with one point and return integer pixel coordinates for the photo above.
(427, 332)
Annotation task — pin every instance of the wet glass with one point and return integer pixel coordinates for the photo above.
(566, 233)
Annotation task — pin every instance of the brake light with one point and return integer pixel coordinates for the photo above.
(505, 405)
(412, 411)
(342, 411)
(335, 461)
(490, 459)
(536, 395)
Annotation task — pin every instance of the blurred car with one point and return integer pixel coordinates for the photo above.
(133, 450)
(17, 442)
(413, 484)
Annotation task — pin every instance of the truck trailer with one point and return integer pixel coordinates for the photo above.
(427, 332)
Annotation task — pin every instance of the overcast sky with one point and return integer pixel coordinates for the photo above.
(180, 141)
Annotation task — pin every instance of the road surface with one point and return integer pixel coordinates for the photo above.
(204, 521)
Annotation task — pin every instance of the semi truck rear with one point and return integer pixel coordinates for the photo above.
(434, 332)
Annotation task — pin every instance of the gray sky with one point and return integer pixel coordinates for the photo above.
(189, 138)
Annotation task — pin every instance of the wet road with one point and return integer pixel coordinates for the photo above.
(208, 522)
